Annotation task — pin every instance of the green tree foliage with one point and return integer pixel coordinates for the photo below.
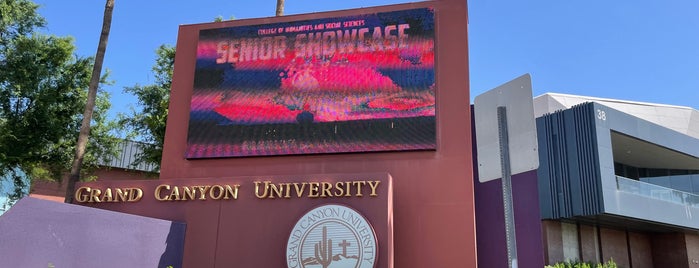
(220, 18)
(43, 89)
(18, 18)
(18, 187)
(148, 123)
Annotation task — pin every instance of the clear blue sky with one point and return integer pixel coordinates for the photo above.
(636, 50)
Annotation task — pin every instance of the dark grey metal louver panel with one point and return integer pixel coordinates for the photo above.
(128, 151)
(569, 174)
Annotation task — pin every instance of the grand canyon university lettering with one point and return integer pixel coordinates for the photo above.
(263, 190)
(288, 190)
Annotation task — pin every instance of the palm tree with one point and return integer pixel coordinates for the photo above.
(90, 105)
(280, 7)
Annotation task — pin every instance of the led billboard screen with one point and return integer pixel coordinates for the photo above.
(361, 83)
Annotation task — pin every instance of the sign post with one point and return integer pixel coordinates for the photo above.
(508, 154)
(507, 187)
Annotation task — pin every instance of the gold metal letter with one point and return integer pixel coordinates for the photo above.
(326, 186)
(347, 188)
(257, 189)
(313, 189)
(80, 194)
(202, 191)
(299, 191)
(288, 190)
(135, 194)
(339, 191)
(218, 188)
(175, 194)
(188, 192)
(95, 196)
(231, 191)
(107, 197)
(121, 195)
(157, 192)
(275, 190)
(359, 187)
(373, 185)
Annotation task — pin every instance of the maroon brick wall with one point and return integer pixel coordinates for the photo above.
(641, 250)
(669, 250)
(627, 248)
(613, 244)
(692, 241)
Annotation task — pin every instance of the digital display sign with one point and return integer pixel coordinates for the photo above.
(363, 83)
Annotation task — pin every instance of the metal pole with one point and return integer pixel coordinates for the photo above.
(507, 188)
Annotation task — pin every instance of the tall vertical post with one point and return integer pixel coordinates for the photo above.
(507, 188)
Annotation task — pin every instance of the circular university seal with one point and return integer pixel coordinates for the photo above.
(332, 236)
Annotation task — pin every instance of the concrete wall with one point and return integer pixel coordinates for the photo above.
(571, 245)
(553, 241)
(561, 241)
(589, 243)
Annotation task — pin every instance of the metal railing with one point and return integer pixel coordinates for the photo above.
(656, 192)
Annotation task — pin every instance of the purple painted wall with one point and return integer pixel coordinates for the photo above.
(40, 233)
(490, 219)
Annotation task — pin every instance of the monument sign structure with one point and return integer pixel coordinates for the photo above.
(334, 139)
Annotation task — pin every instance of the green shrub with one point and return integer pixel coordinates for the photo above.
(579, 264)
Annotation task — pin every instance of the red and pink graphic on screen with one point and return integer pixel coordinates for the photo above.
(363, 83)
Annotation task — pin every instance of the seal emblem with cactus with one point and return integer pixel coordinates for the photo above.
(332, 236)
